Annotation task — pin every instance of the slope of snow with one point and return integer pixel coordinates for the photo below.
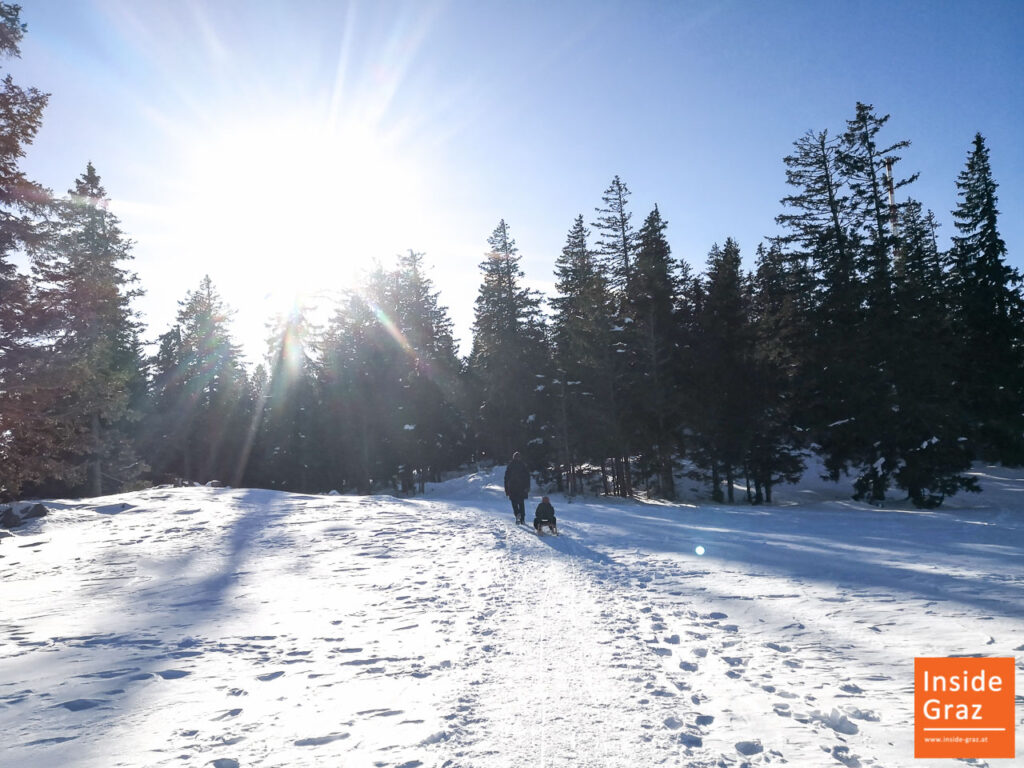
(199, 626)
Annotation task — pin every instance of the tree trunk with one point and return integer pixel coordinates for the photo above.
(95, 465)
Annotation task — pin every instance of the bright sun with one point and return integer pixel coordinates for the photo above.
(295, 208)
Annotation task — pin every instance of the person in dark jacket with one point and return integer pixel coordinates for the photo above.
(517, 486)
(545, 515)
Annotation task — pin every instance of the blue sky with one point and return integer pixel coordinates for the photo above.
(281, 146)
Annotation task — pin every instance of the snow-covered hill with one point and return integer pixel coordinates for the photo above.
(198, 626)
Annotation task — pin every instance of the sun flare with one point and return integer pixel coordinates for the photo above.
(295, 207)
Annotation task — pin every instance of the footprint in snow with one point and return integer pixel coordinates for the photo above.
(778, 647)
(687, 666)
(269, 676)
(690, 740)
(673, 723)
(748, 748)
(77, 705)
(842, 754)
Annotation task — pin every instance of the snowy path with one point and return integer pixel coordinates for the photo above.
(195, 627)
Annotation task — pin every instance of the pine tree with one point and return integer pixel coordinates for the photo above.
(92, 331)
(286, 455)
(842, 245)
(581, 343)
(724, 349)
(433, 429)
(616, 246)
(390, 383)
(774, 453)
(616, 237)
(509, 354)
(202, 402)
(349, 383)
(31, 443)
(928, 418)
(652, 296)
(989, 316)
(876, 439)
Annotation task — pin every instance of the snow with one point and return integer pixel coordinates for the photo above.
(230, 627)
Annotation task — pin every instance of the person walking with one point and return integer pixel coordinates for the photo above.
(517, 486)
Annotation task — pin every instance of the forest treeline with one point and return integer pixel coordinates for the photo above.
(855, 337)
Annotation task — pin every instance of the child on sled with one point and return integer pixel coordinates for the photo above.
(545, 515)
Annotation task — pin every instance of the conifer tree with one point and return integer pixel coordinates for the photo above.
(616, 237)
(819, 253)
(92, 355)
(774, 452)
(286, 455)
(31, 442)
(724, 346)
(989, 315)
(434, 433)
(928, 419)
(351, 381)
(581, 343)
(616, 246)
(509, 354)
(876, 440)
(201, 399)
(389, 383)
(652, 296)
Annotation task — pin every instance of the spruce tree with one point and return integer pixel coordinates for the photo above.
(616, 241)
(353, 384)
(390, 383)
(774, 453)
(92, 333)
(201, 399)
(928, 419)
(286, 454)
(509, 358)
(616, 246)
(581, 331)
(876, 437)
(431, 372)
(652, 298)
(31, 440)
(989, 316)
(724, 347)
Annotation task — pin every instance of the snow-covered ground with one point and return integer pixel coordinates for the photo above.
(200, 626)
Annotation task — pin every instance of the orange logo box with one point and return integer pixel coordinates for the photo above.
(963, 707)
